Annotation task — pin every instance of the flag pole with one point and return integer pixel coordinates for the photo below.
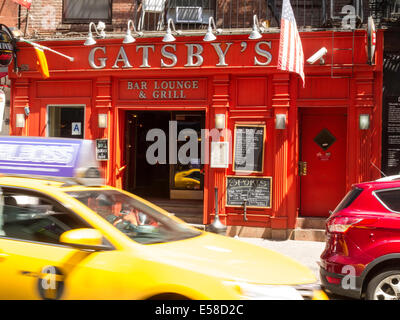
(36, 45)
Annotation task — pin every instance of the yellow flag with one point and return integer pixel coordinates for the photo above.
(42, 63)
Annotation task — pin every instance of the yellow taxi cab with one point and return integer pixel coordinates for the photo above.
(188, 179)
(74, 238)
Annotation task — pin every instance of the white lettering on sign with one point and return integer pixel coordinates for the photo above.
(166, 89)
(36, 153)
(193, 58)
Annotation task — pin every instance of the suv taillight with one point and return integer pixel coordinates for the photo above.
(342, 224)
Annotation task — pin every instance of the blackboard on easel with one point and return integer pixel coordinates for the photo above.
(249, 148)
(255, 190)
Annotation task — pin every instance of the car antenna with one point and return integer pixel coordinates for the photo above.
(378, 169)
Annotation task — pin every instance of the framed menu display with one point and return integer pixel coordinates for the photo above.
(391, 135)
(248, 150)
(101, 149)
(256, 191)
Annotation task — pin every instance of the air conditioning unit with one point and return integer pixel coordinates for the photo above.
(189, 14)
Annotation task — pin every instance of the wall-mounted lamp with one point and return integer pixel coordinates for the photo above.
(257, 29)
(220, 121)
(364, 121)
(20, 120)
(168, 36)
(210, 36)
(101, 26)
(128, 37)
(280, 121)
(102, 120)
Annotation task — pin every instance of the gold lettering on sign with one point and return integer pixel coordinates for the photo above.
(164, 89)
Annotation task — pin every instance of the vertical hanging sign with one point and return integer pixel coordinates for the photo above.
(371, 41)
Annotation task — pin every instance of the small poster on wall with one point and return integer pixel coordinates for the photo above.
(101, 149)
(219, 155)
(76, 128)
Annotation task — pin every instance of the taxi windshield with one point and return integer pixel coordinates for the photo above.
(137, 220)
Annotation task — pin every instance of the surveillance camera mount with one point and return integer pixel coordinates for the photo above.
(319, 55)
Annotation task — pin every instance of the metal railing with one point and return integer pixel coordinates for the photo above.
(236, 14)
(233, 14)
(385, 11)
(152, 15)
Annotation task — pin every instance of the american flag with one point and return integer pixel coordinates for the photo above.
(291, 56)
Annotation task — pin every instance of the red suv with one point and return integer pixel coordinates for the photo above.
(362, 254)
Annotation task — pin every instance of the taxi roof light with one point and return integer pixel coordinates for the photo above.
(71, 161)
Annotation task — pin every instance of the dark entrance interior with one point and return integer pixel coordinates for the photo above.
(144, 179)
(176, 187)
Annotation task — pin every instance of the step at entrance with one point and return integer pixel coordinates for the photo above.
(190, 211)
(309, 229)
(311, 223)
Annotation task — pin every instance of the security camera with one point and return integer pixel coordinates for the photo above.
(318, 56)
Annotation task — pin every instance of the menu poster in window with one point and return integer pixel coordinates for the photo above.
(391, 135)
(101, 149)
(256, 191)
(249, 148)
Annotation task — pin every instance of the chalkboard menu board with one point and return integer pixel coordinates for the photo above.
(102, 149)
(256, 190)
(249, 148)
(391, 135)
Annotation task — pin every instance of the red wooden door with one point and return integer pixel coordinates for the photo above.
(323, 150)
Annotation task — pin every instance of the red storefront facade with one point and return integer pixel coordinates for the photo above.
(231, 76)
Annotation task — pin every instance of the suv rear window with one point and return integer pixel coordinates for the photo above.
(348, 199)
(390, 198)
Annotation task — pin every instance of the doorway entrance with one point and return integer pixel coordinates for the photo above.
(323, 144)
(157, 168)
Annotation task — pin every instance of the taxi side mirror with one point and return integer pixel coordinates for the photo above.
(84, 238)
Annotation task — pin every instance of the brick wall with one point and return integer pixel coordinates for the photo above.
(123, 10)
(9, 13)
(46, 17)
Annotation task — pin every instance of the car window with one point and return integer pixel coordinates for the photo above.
(348, 199)
(195, 175)
(142, 223)
(390, 198)
(30, 216)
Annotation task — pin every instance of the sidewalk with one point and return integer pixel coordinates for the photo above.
(305, 252)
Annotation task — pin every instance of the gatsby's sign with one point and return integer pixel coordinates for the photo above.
(182, 55)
